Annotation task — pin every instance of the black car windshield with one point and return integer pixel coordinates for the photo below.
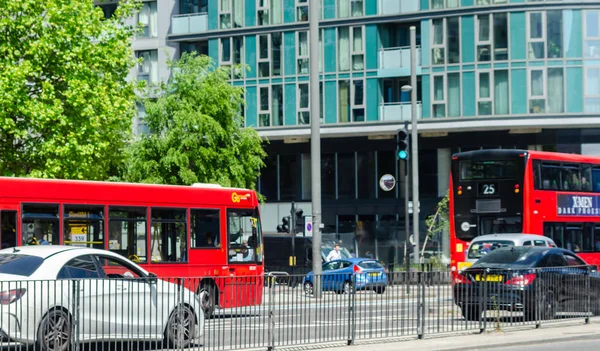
(23, 265)
(518, 257)
(481, 248)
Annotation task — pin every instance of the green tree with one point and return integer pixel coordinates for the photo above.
(196, 131)
(65, 104)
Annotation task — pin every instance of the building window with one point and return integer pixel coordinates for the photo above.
(592, 34)
(350, 8)
(231, 53)
(544, 35)
(446, 32)
(269, 54)
(231, 11)
(270, 105)
(592, 90)
(490, 2)
(453, 94)
(492, 37)
(303, 104)
(453, 39)
(440, 4)
(302, 53)
(269, 12)
(148, 68)
(328, 176)
(302, 10)
(147, 20)
(437, 46)
(193, 6)
(288, 177)
(264, 52)
(492, 93)
(346, 176)
(537, 91)
(365, 165)
(344, 100)
(484, 38)
(439, 96)
(358, 100)
(199, 47)
(350, 48)
(546, 90)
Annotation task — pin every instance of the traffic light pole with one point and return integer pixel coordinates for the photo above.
(414, 141)
(293, 236)
(406, 223)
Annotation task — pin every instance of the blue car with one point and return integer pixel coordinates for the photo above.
(348, 275)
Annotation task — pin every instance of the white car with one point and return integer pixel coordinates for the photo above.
(43, 287)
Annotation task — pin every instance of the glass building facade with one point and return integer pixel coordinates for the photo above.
(490, 74)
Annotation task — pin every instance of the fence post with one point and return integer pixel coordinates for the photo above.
(351, 314)
(588, 291)
(271, 330)
(419, 304)
(423, 301)
(483, 304)
(75, 322)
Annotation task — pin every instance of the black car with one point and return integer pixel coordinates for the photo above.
(538, 281)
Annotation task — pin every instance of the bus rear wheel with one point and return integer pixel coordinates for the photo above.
(208, 297)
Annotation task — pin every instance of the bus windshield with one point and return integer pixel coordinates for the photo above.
(488, 169)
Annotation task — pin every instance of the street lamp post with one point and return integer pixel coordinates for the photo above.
(414, 149)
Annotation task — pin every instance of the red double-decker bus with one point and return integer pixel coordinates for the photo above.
(520, 191)
(204, 231)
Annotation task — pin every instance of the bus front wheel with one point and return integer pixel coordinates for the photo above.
(208, 298)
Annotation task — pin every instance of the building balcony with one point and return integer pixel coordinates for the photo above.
(392, 7)
(395, 62)
(398, 111)
(189, 23)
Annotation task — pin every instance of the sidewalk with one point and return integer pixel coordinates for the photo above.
(559, 331)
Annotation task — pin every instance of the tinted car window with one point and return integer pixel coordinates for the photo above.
(516, 256)
(482, 248)
(574, 261)
(23, 265)
(540, 243)
(370, 264)
(79, 268)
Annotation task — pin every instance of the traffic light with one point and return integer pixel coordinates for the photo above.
(299, 221)
(403, 144)
(284, 227)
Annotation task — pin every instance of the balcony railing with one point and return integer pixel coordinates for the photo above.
(398, 111)
(391, 7)
(189, 23)
(397, 57)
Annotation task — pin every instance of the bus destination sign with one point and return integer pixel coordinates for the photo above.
(577, 205)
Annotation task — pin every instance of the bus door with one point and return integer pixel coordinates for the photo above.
(8, 234)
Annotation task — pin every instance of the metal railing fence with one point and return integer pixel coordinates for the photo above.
(280, 310)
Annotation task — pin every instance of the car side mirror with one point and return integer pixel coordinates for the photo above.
(152, 278)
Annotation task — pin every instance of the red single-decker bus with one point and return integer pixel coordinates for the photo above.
(206, 233)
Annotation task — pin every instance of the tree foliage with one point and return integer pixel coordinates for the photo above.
(438, 222)
(65, 104)
(196, 131)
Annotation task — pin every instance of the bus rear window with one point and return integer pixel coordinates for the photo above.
(488, 169)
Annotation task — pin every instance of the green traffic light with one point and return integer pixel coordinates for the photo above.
(402, 154)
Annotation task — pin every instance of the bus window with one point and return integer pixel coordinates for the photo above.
(596, 179)
(205, 229)
(597, 238)
(574, 237)
(570, 177)
(550, 176)
(84, 226)
(244, 236)
(127, 232)
(488, 169)
(495, 225)
(586, 177)
(168, 238)
(39, 224)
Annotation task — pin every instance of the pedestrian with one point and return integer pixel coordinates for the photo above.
(334, 254)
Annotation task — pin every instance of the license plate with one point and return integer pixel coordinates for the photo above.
(489, 278)
(462, 265)
(374, 274)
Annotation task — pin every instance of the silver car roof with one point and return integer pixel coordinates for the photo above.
(518, 237)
